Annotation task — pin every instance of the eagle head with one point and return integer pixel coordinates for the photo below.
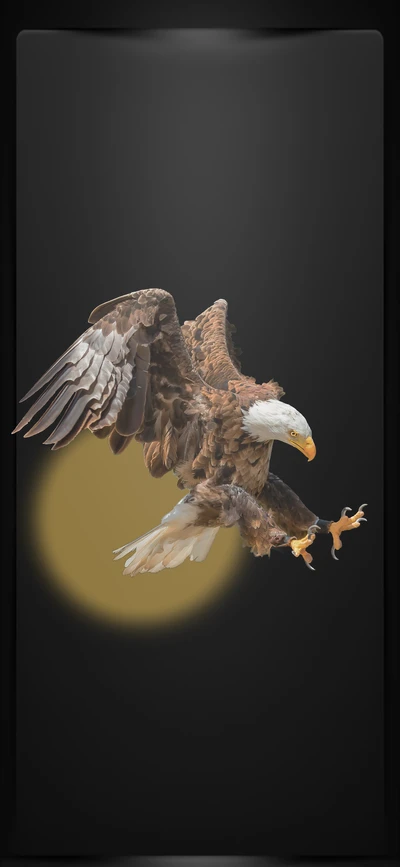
(267, 420)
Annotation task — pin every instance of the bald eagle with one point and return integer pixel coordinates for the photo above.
(135, 373)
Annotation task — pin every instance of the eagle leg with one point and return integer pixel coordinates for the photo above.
(345, 522)
(289, 513)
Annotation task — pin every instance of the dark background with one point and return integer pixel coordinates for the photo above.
(213, 165)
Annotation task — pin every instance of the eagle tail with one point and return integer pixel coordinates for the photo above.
(168, 545)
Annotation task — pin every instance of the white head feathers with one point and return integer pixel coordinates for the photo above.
(274, 420)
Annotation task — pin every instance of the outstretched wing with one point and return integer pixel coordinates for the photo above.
(216, 358)
(129, 375)
(209, 341)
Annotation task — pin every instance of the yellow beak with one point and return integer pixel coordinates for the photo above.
(307, 446)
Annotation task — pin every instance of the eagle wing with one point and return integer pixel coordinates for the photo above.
(215, 357)
(210, 344)
(129, 375)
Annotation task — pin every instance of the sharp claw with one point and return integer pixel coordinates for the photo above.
(346, 509)
(310, 529)
(362, 519)
(333, 553)
(309, 566)
(360, 508)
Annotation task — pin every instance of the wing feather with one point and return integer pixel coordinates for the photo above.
(209, 340)
(210, 344)
(128, 375)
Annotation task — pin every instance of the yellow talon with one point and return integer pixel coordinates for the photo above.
(345, 523)
(299, 548)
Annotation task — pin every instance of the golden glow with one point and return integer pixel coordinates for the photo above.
(306, 446)
(88, 502)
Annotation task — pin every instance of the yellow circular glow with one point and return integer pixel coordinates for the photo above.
(87, 502)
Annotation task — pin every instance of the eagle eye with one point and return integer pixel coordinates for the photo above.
(293, 433)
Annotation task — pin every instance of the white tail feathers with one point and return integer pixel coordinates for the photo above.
(169, 544)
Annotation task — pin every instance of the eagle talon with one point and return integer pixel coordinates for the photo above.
(310, 529)
(299, 547)
(345, 522)
(333, 552)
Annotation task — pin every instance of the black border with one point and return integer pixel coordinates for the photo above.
(253, 14)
